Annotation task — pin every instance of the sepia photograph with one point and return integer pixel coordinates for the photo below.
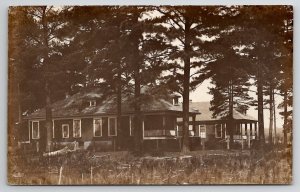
(150, 95)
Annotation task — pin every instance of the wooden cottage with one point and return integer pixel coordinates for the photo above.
(92, 122)
(213, 131)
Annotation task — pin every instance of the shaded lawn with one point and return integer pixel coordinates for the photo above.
(169, 168)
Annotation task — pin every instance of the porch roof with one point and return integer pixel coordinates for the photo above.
(207, 115)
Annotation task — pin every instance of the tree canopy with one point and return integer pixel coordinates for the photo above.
(57, 51)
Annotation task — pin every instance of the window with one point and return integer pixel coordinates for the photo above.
(130, 125)
(35, 130)
(65, 130)
(218, 131)
(175, 101)
(97, 127)
(202, 131)
(191, 131)
(92, 103)
(76, 128)
(53, 130)
(112, 126)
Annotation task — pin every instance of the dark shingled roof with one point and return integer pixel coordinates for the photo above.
(74, 106)
(206, 114)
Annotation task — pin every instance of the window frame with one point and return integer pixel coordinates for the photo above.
(38, 130)
(130, 125)
(108, 131)
(79, 128)
(92, 103)
(204, 126)
(62, 131)
(225, 130)
(101, 127)
(53, 129)
(175, 101)
(216, 135)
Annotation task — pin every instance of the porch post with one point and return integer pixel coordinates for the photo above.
(251, 132)
(192, 141)
(241, 134)
(225, 129)
(241, 130)
(256, 133)
(29, 131)
(143, 125)
(53, 129)
(130, 125)
(248, 136)
(164, 124)
(194, 123)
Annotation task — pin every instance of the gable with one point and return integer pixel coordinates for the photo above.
(207, 115)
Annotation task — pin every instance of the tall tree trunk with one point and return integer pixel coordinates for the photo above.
(285, 117)
(117, 61)
(271, 115)
(260, 106)
(186, 87)
(138, 132)
(231, 119)
(274, 113)
(48, 123)
(119, 109)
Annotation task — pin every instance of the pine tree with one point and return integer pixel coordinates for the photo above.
(230, 81)
(99, 33)
(190, 31)
(120, 49)
(42, 34)
(262, 37)
(286, 69)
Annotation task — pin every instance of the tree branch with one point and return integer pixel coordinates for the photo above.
(171, 18)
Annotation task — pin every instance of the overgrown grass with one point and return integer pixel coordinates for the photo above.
(122, 168)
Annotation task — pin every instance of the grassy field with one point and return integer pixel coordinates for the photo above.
(122, 168)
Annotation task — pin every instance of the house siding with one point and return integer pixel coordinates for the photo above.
(39, 143)
(58, 130)
(106, 142)
(87, 128)
(125, 127)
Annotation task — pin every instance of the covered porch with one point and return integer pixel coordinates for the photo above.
(162, 131)
(161, 126)
(245, 132)
(167, 125)
(217, 132)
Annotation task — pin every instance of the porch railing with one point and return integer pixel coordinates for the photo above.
(160, 133)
